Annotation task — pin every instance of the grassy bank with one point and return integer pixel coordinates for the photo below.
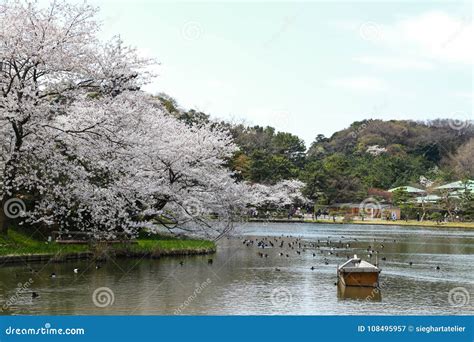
(409, 223)
(17, 244)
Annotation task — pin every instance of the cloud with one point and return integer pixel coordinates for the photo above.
(395, 63)
(430, 37)
(435, 35)
(360, 83)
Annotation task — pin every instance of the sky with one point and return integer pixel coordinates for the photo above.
(307, 68)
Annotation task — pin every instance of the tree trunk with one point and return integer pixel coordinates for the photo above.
(5, 221)
(9, 175)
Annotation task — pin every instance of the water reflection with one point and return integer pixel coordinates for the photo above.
(372, 294)
(240, 281)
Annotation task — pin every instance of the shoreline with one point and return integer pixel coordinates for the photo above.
(158, 248)
(55, 258)
(19, 248)
(426, 224)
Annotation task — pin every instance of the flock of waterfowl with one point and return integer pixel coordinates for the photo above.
(332, 249)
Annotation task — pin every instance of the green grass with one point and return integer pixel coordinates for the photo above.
(17, 243)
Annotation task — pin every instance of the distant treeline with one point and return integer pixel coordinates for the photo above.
(342, 168)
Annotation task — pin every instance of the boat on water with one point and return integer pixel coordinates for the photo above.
(357, 272)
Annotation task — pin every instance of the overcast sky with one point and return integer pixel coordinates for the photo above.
(306, 68)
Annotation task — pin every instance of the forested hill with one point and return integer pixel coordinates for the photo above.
(386, 154)
(343, 167)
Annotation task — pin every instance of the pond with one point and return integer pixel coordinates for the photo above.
(248, 280)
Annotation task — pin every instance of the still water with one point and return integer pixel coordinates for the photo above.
(241, 282)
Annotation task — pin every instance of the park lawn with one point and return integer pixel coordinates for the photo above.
(17, 243)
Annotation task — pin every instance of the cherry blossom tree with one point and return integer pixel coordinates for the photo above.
(87, 150)
(283, 193)
(49, 57)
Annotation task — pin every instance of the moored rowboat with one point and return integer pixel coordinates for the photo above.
(357, 272)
